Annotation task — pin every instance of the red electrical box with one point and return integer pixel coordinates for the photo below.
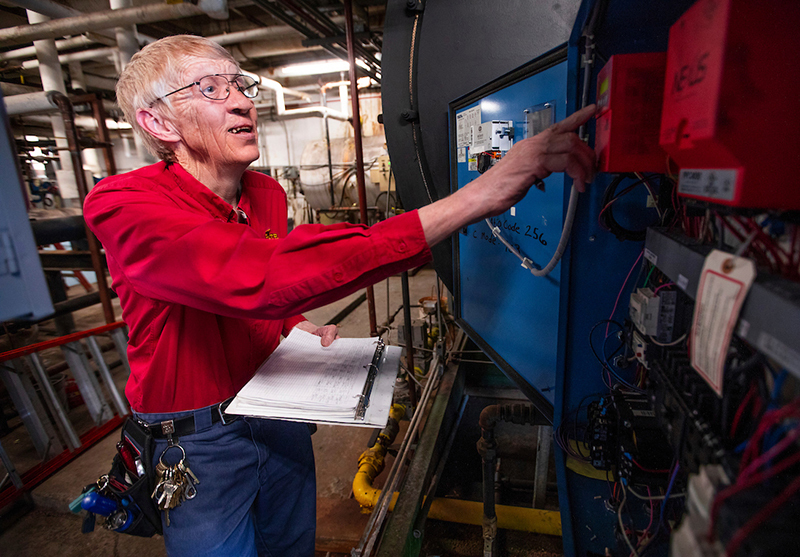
(732, 102)
(629, 99)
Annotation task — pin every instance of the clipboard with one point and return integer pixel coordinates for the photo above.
(349, 383)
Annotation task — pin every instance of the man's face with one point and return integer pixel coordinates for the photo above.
(214, 132)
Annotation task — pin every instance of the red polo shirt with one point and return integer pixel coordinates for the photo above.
(206, 298)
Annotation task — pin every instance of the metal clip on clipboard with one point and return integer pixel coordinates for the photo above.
(372, 373)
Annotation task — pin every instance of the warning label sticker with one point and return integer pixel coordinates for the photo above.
(711, 183)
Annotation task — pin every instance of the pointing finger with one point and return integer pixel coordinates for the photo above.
(575, 120)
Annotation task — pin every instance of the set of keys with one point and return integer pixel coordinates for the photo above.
(174, 484)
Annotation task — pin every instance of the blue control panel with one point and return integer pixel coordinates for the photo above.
(508, 311)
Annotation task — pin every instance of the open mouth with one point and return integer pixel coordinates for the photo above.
(241, 129)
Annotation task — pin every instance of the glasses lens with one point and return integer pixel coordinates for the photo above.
(247, 85)
(214, 87)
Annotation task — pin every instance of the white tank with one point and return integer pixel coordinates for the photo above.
(315, 178)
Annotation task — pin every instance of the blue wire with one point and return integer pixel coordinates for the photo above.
(778, 387)
(669, 490)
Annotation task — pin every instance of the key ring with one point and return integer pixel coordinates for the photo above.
(160, 458)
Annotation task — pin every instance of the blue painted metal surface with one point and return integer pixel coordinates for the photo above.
(23, 290)
(537, 330)
(506, 306)
(597, 264)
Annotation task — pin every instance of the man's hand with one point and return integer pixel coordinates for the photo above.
(327, 333)
(557, 149)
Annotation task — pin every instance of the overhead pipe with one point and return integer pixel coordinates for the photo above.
(295, 113)
(98, 20)
(82, 56)
(356, 121)
(30, 103)
(64, 44)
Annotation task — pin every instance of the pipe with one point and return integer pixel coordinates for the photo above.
(29, 103)
(384, 501)
(126, 35)
(356, 122)
(280, 103)
(215, 9)
(99, 20)
(487, 448)
(520, 519)
(412, 388)
(65, 106)
(99, 113)
(324, 100)
(371, 462)
(65, 44)
(55, 230)
(53, 80)
(96, 54)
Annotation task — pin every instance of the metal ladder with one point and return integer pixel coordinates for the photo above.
(52, 433)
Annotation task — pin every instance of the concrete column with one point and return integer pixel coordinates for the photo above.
(53, 80)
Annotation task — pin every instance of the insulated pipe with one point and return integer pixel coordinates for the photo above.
(292, 114)
(126, 35)
(356, 121)
(30, 52)
(82, 56)
(98, 20)
(29, 103)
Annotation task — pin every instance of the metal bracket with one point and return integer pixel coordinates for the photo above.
(415, 5)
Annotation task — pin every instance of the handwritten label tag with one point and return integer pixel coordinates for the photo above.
(724, 283)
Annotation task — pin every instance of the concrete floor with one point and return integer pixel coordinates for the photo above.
(51, 530)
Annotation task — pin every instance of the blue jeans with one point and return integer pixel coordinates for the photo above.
(257, 490)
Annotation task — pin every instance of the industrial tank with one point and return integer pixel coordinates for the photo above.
(315, 176)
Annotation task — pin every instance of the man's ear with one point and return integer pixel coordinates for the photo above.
(153, 122)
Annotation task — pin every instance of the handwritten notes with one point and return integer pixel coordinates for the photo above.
(304, 381)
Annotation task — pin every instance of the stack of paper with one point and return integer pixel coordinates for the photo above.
(304, 381)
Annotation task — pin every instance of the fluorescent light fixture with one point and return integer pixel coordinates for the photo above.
(32, 138)
(315, 68)
(114, 125)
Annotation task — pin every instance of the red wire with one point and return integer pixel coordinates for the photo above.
(755, 479)
(741, 408)
(774, 451)
(610, 317)
(767, 420)
(761, 517)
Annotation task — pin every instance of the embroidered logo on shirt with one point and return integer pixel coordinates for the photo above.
(269, 235)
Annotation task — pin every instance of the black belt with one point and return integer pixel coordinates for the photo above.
(186, 425)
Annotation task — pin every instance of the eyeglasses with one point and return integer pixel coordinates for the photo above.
(217, 87)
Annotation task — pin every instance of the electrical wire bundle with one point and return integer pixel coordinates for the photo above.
(606, 217)
(771, 457)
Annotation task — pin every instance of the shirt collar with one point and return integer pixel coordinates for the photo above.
(215, 205)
